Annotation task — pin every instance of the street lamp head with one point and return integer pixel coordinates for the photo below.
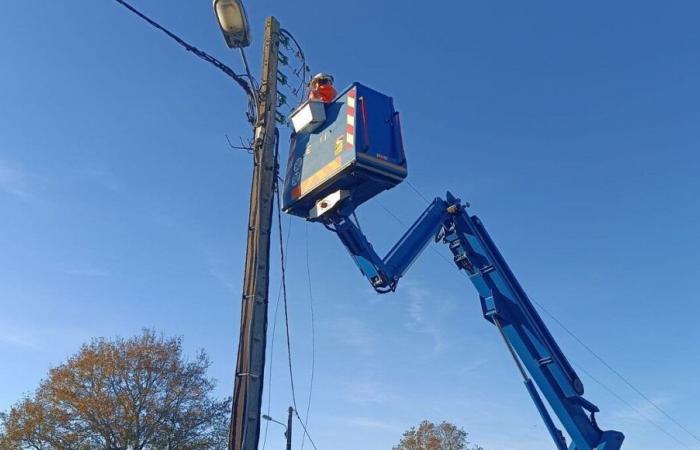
(233, 22)
(266, 417)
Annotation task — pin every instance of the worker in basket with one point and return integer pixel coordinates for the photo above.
(321, 88)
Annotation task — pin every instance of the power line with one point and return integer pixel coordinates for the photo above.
(313, 336)
(415, 189)
(202, 55)
(286, 316)
(306, 432)
(580, 341)
(284, 296)
(613, 370)
(272, 343)
(304, 69)
(629, 405)
(432, 246)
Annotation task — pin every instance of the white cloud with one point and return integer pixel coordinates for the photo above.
(14, 180)
(102, 177)
(15, 338)
(427, 312)
(25, 333)
(642, 410)
(87, 271)
(473, 366)
(370, 422)
(366, 392)
(352, 332)
(218, 270)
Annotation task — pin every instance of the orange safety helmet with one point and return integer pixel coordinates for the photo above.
(321, 88)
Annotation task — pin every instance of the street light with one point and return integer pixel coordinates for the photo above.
(287, 428)
(233, 22)
(270, 419)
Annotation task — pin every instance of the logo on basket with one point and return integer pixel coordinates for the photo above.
(339, 145)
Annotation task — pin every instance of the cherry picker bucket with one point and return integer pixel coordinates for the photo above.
(355, 151)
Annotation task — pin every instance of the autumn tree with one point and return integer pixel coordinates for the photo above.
(122, 394)
(429, 436)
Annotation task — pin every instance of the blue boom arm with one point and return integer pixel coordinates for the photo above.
(384, 274)
(504, 303)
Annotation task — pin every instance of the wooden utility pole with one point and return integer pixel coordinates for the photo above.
(244, 431)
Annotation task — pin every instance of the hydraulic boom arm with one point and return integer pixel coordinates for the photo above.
(504, 303)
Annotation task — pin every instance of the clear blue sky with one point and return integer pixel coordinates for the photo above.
(571, 127)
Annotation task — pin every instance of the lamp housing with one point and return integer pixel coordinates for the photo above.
(233, 22)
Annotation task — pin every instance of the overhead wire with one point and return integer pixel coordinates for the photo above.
(304, 65)
(403, 223)
(286, 37)
(286, 307)
(240, 80)
(632, 407)
(615, 371)
(249, 75)
(415, 189)
(585, 346)
(253, 82)
(301, 72)
(284, 289)
(306, 431)
(313, 336)
(272, 339)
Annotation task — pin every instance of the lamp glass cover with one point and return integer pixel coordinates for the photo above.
(230, 16)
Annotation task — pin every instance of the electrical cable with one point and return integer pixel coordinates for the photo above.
(251, 79)
(250, 76)
(286, 323)
(300, 54)
(284, 297)
(415, 189)
(313, 336)
(204, 56)
(306, 432)
(272, 340)
(613, 370)
(580, 341)
(304, 68)
(289, 344)
(629, 405)
(432, 246)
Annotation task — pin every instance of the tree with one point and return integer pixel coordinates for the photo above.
(429, 436)
(133, 394)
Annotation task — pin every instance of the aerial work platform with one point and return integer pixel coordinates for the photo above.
(349, 150)
(354, 150)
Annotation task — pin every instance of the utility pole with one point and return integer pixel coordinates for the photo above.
(288, 434)
(244, 431)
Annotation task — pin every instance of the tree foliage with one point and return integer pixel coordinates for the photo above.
(133, 394)
(430, 436)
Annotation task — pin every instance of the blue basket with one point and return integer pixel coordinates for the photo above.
(357, 149)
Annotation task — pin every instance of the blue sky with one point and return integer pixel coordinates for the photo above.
(571, 127)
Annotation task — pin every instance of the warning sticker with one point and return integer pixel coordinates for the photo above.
(339, 145)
